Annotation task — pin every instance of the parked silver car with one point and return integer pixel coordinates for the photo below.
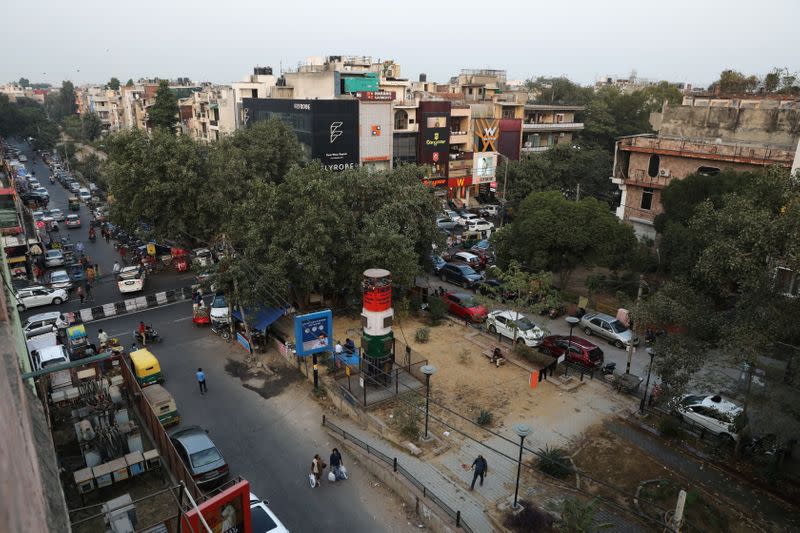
(609, 328)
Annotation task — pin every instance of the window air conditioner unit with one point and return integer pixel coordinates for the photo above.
(663, 173)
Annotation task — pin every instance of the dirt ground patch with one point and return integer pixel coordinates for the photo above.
(613, 462)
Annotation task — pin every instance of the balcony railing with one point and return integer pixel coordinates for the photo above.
(535, 148)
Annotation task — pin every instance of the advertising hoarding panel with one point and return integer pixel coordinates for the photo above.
(487, 133)
(510, 141)
(484, 167)
(313, 333)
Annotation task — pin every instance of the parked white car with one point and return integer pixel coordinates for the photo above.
(712, 413)
(53, 258)
(262, 518)
(58, 215)
(130, 279)
(479, 224)
(467, 218)
(30, 297)
(59, 279)
(515, 326)
(43, 323)
(84, 194)
(219, 309)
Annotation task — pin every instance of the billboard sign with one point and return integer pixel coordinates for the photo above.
(313, 333)
(487, 132)
(375, 96)
(484, 167)
(464, 181)
(226, 512)
(327, 129)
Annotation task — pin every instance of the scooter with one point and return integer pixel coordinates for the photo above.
(222, 329)
(151, 336)
(52, 179)
(608, 368)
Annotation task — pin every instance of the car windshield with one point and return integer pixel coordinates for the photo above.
(525, 324)
(618, 326)
(53, 253)
(692, 400)
(595, 355)
(219, 301)
(261, 520)
(469, 302)
(59, 276)
(204, 457)
(467, 271)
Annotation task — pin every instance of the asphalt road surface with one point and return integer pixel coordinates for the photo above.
(267, 426)
(102, 253)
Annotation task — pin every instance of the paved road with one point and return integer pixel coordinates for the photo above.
(267, 427)
(102, 253)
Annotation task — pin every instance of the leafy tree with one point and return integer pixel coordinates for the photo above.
(613, 113)
(268, 148)
(552, 233)
(24, 82)
(772, 81)
(129, 83)
(26, 118)
(559, 91)
(92, 126)
(562, 168)
(113, 84)
(73, 127)
(732, 81)
(164, 111)
(659, 93)
(61, 104)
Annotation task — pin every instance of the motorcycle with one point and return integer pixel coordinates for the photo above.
(52, 179)
(151, 336)
(222, 329)
(608, 368)
(92, 234)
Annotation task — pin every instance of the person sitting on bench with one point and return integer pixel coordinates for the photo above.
(349, 346)
(497, 355)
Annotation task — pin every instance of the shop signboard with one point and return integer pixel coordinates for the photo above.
(225, 512)
(313, 333)
(484, 167)
(487, 132)
(375, 96)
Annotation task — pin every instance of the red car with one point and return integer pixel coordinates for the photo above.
(463, 305)
(581, 351)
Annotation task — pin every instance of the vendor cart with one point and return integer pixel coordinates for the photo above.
(74, 203)
(180, 259)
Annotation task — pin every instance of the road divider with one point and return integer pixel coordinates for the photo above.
(131, 305)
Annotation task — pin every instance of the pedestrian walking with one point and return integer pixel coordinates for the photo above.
(90, 273)
(89, 296)
(107, 235)
(97, 271)
(79, 292)
(122, 251)
(116, 268)
(201, 380)
(337, 465)
(317, 466)
(481, 468)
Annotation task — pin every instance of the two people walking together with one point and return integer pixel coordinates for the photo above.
(337, 472)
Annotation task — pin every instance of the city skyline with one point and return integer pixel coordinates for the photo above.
(688, 43)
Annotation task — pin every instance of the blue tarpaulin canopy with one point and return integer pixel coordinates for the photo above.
(260, 318)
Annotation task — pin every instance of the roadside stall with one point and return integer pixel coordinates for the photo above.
(258, 320)
(78, 343)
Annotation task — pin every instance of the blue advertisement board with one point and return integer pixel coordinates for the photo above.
(313, 333)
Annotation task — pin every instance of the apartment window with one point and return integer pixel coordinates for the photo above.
(787, 282)
(508, 113)
(559, 118)
(469, 91)
(652, 168)
(400, 119)
(708, 171)
(647, 198)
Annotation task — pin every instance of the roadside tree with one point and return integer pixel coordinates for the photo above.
(164, 111)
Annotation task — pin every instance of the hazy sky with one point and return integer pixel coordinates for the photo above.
(221, 40)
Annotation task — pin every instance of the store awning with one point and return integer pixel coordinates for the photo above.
(260, 318)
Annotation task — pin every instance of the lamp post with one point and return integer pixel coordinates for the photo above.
(523, 430)
(572, 321)
(652, 353)
(428, 370)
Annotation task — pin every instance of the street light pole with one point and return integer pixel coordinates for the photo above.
(428, 370)
(652, 354)
(523, 430)
(572, 321)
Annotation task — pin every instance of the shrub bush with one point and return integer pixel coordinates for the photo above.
(485, 417)
(554, 462)
(530, 519)
(436, 309)
(407, 420)
(423, 335)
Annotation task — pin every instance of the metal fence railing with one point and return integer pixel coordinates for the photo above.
(396, 467)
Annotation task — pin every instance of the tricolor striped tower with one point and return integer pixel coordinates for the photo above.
(377, 344)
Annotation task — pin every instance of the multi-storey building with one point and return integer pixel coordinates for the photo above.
(208, 114)
(546, 125)
(704, 135)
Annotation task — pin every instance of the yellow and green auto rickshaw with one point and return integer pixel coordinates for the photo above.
(163, 404)
(146, 368)
(74, 203)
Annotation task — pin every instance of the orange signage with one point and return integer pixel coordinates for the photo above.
(459, 182)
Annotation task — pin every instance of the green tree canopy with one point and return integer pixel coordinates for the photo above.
(552, 233)
(732, 81)
(61, 104)
(164, 111)
(559, 91)
(113, 84)
(26, 118)
(24, 82)
(662, 92)
(562, 168)
(129, 83)
(613, 113)
(92, 126)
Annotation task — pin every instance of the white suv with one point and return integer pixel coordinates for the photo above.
(515, 326)
(712, 413)
(38, 296)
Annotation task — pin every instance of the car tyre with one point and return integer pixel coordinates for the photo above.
(443, 278)
(57, 301)
(20, 307)
(492, 330)
(588, 331)
(619, 344)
